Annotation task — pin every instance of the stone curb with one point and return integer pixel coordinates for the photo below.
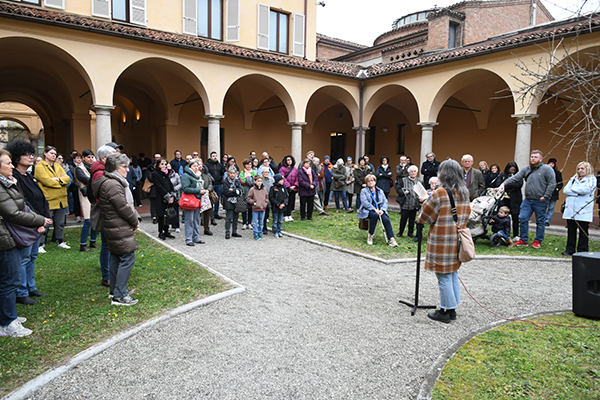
(431, 377)
(28, 388)
(411, 260)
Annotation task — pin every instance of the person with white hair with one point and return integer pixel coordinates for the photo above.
(579, 208)
(97, 171)
(411, 202)
(339, 185)
(473, 177)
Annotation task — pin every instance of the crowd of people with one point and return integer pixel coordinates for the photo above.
(102, 191)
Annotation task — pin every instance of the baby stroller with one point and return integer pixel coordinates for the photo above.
(482, 209)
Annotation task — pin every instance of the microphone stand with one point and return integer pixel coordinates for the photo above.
(416, 305)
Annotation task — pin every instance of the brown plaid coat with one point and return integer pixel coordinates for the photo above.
(442, 241)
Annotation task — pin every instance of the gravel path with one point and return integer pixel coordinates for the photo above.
(314, 323)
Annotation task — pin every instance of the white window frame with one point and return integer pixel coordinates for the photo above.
(298, 37)
(232, 32)
(260, 31)
(95, 11)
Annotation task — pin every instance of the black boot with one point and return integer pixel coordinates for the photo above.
(93, 244)
(440, 315)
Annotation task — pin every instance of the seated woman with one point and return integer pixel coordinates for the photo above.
(373, 205)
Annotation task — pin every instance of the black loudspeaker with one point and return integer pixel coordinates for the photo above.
(586, 285)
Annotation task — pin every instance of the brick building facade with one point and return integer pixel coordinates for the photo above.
(439, 29)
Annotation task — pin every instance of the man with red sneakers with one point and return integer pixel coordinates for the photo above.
(540, 181)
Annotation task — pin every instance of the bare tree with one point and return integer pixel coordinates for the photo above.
(567, 77)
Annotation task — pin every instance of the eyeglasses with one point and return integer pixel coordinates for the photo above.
(194, 154)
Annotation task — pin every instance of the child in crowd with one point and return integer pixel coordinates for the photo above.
(501, 227)
(278, 198)
(267, 183)
(258, 197)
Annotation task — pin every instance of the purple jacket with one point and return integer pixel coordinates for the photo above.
(304, 183)
(291, 179)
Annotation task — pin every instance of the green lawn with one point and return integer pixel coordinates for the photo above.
(518, 361)
(342, 230)
(77, 313)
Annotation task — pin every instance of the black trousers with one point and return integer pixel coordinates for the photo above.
(407, 215)
(306, 206)
(326, 194)
(583, 242)
(291, 203)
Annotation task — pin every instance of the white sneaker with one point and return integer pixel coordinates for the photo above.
(177, 230)
(21, 320)
(370, 239)
(41, 249)
(64, 245)
(393, 242)
(291, 218)
(243, 227)
(124, 301)
(15, 329)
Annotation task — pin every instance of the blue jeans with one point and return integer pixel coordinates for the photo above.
(218, 189)
(87, 226)
(277, 220)
(337, 199)
(528, 207)
(192, 226)
(385, 218)
(10, 264)
(503, 235)
(27, 276)
(449, 290)
(104, 258)
(550, 212)
(120, 270)
(258, 218)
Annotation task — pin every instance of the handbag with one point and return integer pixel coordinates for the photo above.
(214, 197)
(24, 236)
(205, 203)
(339, 184)
(242, 204)
(147, 186)
(189, 201)
(170, 213)
(363, 224)
(466, 248)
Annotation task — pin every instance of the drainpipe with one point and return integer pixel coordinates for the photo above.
(361, 149)
(306, 23)
(533, 18)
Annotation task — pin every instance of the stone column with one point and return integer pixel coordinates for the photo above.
(361, 133)
(523, 139)
(426, 140)
(103, 125)
(297, 140)
(214, 134)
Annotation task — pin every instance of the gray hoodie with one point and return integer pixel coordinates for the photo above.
(540, 183)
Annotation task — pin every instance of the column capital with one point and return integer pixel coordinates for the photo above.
(428, 124)
(213, 116)
(296, 124)
(363, 128)
(524, 118)
(99, 108)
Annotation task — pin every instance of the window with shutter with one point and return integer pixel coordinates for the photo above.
(55, 3)
(190, 26)
(101, 8)
(233, 20)
(210, 19)
(298, 47)
(278, 31)
(138, 12)
(263, 27)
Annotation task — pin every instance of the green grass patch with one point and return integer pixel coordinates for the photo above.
(518, 361)
(77, 313)
(342, 230)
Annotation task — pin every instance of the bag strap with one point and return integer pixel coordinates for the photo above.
(453, 205)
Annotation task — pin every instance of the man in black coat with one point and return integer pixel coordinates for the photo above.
(216, 171)
(429, 168)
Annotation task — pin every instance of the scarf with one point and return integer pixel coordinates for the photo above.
(123, 182)
(232, 199)
(308, 170)
(165, 171)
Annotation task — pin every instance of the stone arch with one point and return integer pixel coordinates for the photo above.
(245, 93)
(383, 94)
(325, 97)
(482, 93)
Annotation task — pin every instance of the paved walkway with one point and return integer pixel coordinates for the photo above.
(314, 323)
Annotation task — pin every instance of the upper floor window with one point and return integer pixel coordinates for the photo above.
(205, 18)
(133, 11)
(453, 35)
(278, 32)
(46, 3)
(274, 31)
(210, 19)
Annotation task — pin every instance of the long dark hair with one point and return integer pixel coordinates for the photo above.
(509, 165)
(284, 163)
